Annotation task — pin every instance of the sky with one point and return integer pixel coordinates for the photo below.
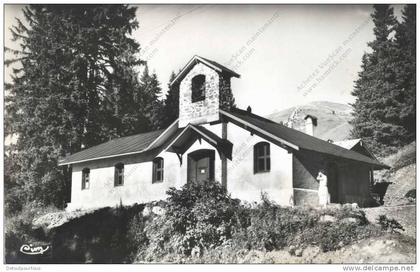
(287, 55)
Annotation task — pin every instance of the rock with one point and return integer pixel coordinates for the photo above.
(292, 250)
(352, 206)
(298, 252)
(347, 206)
(389, 243)
(195, 252)
(146, 211)
(327, 218)
(349, 220)
(334, 206)
(158, 210)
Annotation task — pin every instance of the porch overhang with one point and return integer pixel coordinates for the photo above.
(192, 133)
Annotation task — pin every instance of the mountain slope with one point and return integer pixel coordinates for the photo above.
(333, 118)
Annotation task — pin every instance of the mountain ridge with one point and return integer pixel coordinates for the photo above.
(333, 118)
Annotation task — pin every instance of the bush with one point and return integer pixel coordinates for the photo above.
(202, 223)
(197, 217)
(388, 224)
(273, 227)
(334, 235)
(411, 194)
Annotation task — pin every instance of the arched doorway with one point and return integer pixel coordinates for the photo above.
(200, 166)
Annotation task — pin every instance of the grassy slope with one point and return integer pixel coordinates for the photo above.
(331, 125)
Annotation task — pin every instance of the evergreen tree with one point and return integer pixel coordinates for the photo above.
(77, 69)
(227, 101)
(171, 105)
(380, 100)
(406, 73)
(152, 105)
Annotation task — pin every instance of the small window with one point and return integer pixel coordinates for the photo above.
(157, 170)
(85, 178)
(262, 157)
(119, 175)
(198, 88)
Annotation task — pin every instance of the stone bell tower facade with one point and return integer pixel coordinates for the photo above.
(204, 87)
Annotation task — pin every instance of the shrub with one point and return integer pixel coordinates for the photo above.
(334, 235)
(197, 217)
(274, 227)
(411, 194)
(202, 223)
(389, 224)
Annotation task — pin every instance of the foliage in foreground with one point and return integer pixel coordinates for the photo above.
(389, 224)
(202, 220)
(195, 224)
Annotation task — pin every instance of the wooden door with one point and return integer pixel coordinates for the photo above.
(200, 166)
(203, 169)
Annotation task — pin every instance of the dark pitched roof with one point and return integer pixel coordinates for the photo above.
(212, 64)
(222, 67)
(141, 142)
(116, 147)
(295, 138)
(190, 133)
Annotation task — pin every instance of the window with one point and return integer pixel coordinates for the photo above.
(198, 88)
(261, 157)
(85, 178)
(119, 175)
(157, 170)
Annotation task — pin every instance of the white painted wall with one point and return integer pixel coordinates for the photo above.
(242, 183)
(137, 188)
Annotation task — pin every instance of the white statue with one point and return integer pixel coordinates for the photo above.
(323, 194)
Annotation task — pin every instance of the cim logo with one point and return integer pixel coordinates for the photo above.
(33, 250)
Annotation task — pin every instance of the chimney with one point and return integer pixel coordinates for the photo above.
(310, 123)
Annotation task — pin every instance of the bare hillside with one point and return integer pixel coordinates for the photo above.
(333, 118)
(402, 175)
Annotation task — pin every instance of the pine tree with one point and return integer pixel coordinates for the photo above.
(406, 73)
(171, 105)
(379, 96)
(77, 69)
(227, 101)
(152, 105)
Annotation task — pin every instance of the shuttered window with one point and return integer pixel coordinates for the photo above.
(262, 157)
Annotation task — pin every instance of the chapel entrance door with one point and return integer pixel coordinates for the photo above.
(200, 166)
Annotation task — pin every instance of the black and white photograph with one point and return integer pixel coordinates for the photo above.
(209, 133)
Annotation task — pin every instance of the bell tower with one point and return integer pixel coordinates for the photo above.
(204, 88)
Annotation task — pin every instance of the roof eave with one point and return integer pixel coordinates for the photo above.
(200, 59)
